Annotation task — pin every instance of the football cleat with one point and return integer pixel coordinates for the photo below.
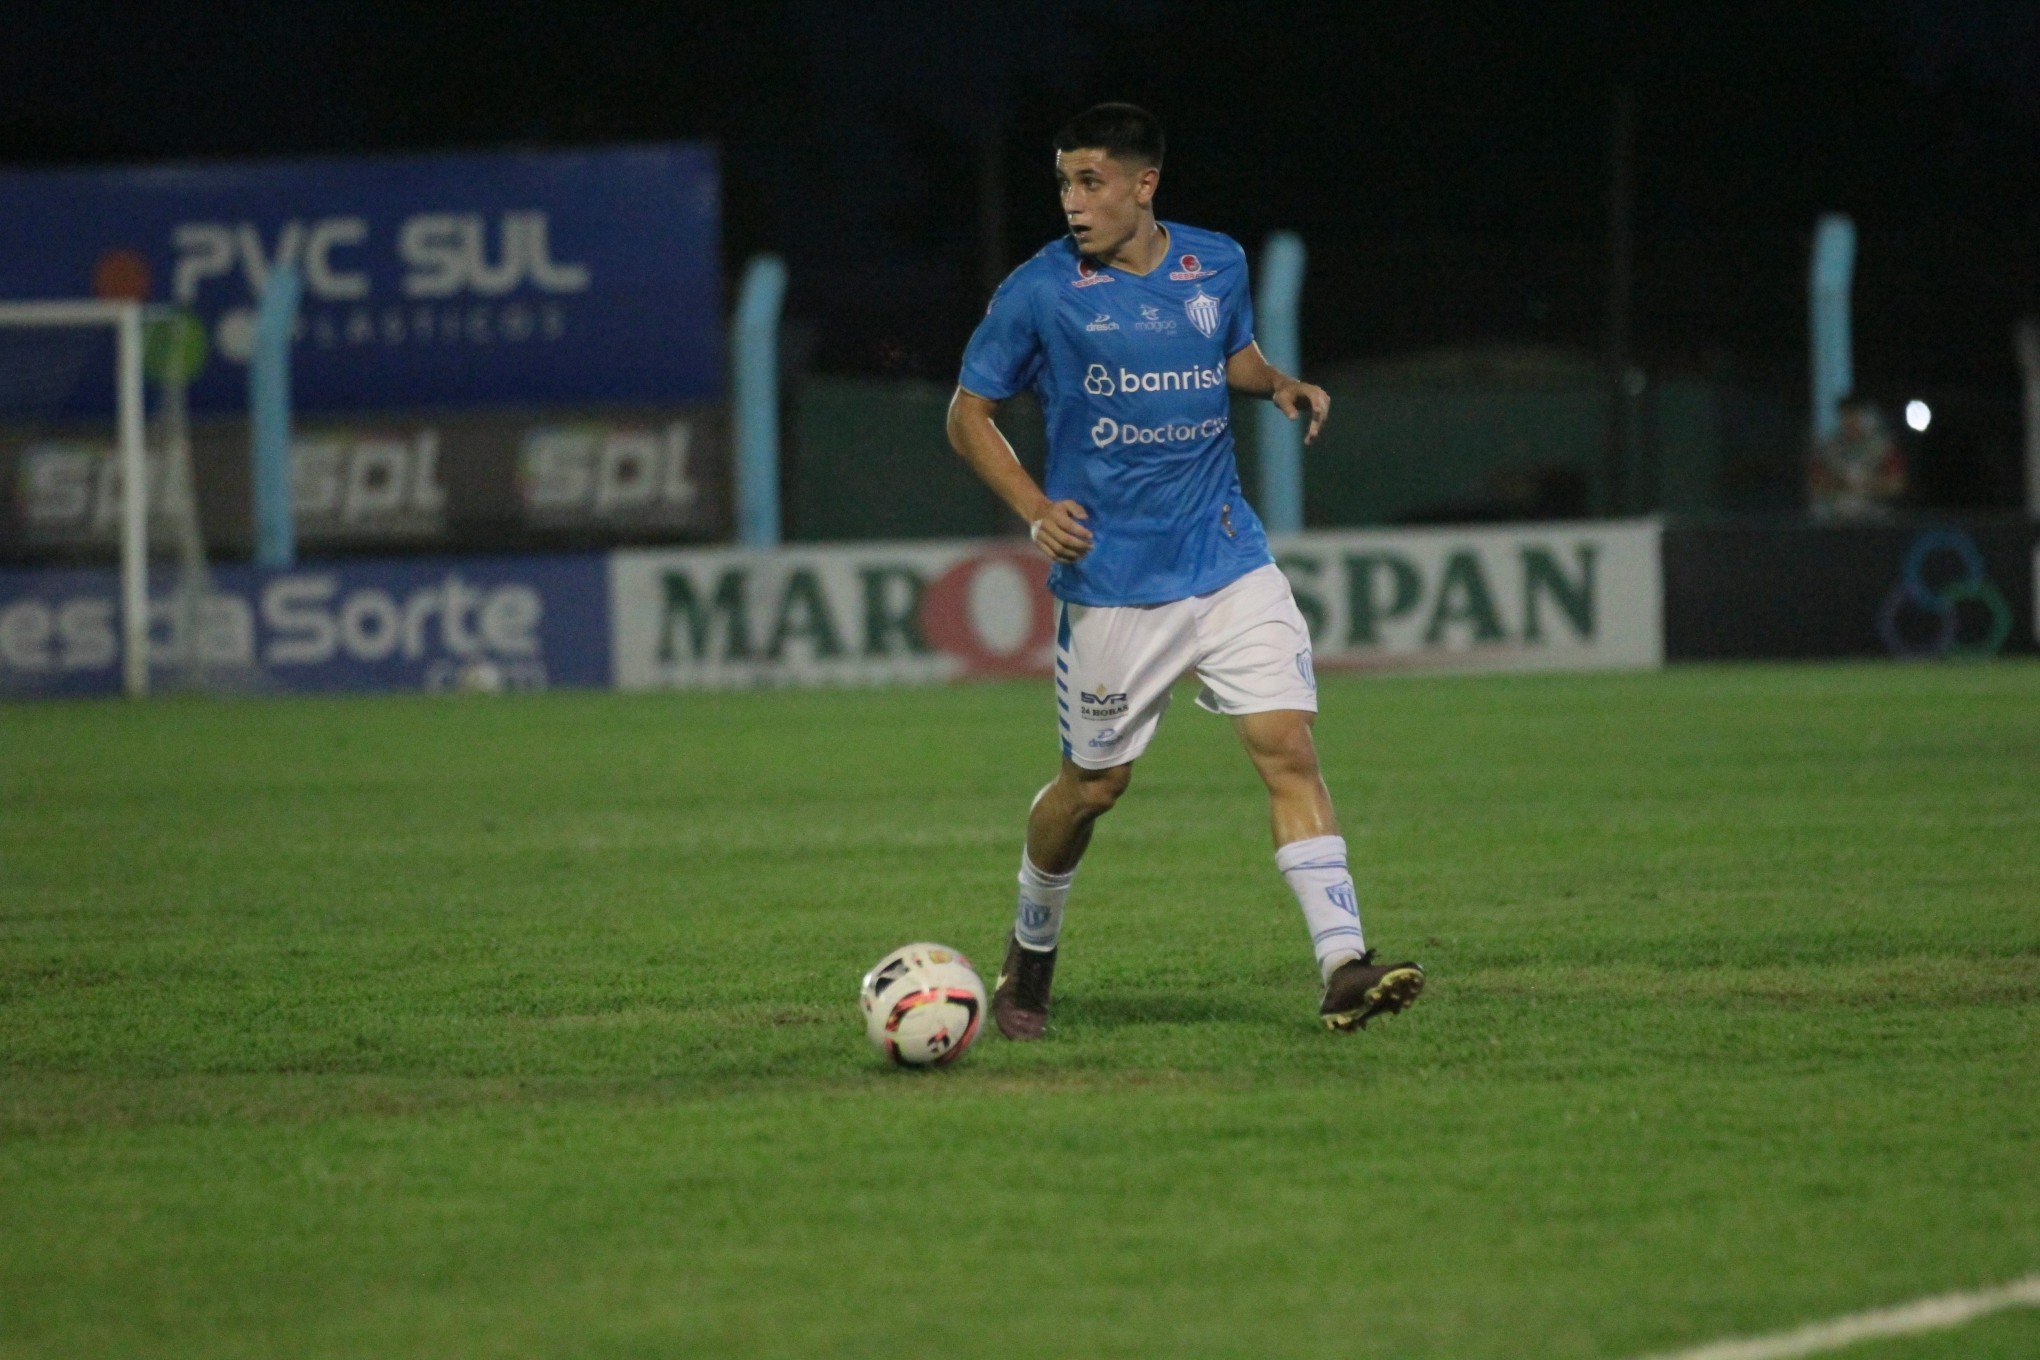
(1361, 989)
(1020, 1001)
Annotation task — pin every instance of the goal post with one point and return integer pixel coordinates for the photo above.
(125, 320)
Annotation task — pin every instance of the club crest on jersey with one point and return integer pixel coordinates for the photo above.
(1203, 311)
(1088, 274)
(1190, 267)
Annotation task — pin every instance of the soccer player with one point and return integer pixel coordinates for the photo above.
(1134, 332)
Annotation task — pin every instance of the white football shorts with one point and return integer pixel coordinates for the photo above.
(1116, 664)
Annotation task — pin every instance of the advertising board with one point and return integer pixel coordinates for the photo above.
(1520, 597)
(1523, 597)
(1945, 588)
(525, 279)
(418, 623)
(445, 481)
(1536, 597)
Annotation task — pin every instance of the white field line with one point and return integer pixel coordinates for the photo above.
(1921, 1315)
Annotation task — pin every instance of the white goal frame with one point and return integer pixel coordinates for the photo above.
(126, 320)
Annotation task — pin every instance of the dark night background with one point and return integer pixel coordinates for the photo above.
(1449, 165)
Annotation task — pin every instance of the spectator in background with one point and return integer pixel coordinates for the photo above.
(1857, 473)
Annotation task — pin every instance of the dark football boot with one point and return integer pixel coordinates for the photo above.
(1020, 1001)
(1361, 989)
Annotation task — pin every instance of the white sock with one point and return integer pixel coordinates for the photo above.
(1317, 874)
(1038, 924)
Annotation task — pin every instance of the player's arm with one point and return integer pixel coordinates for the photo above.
(1056, 526)
(1249, 373)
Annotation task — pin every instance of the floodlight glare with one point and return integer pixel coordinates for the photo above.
(1918, 416)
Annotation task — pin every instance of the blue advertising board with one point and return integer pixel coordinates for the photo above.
(430, 623)
(522, 279)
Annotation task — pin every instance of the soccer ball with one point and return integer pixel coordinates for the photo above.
(923, 1005)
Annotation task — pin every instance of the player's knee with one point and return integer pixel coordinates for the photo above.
(1096, 791)
(1287, 756)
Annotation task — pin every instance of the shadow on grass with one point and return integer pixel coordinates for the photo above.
(1108, 1011)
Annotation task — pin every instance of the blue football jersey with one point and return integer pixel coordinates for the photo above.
(1130, 370)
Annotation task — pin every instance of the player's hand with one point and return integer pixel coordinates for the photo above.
(1295, 398)
(1059, 531)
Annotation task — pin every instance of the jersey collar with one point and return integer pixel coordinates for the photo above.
(1168, 244)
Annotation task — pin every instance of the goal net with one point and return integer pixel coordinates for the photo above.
(92, 399)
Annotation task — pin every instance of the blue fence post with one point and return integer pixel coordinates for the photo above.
(1277, 327)
(755, 344)
(1834, 266)
(269, 412)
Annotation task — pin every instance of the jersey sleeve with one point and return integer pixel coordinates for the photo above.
(1239, 332)
(1004, 353)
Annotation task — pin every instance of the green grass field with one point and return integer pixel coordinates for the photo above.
(526, 1026)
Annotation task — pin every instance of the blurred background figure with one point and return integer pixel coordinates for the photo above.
(1858, 472)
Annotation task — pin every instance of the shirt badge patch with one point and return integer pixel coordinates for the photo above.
(1153, 322)
(1202, 309)
(1088, 274)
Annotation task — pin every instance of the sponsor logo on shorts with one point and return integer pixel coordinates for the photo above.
(1109, 737)
(1305, 669)
(1107, 431)
(1101, 706)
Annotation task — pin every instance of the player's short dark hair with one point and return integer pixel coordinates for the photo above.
(1124, 132)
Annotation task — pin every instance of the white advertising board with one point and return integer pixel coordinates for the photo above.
(1520, 597)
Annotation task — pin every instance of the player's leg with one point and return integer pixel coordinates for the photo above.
(1256, 666)
(1064, 812)
(1058, 832)
(1279, 743)
(1311, 855)
(1113, 669)
(1309, 851)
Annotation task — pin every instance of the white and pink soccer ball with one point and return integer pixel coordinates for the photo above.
(923, 1005)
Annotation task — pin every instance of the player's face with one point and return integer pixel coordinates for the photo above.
(1102, 198)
